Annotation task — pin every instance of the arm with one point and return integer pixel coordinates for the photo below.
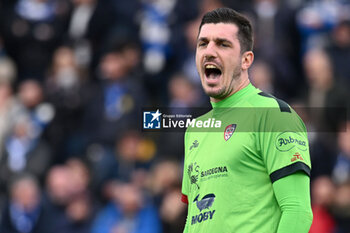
(185, 201)
(293, 196)
(185, 182)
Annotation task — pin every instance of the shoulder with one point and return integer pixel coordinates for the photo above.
(273, 112)
(262, 99)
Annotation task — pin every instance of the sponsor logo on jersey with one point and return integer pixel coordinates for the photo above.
(214, 170)
(193, 173)
(296, 156)
(229, 130)
(194, 144)
(205, 203)
(196, 175)
(288, 140)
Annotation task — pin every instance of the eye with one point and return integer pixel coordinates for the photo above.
(201, 44)
(225, 45)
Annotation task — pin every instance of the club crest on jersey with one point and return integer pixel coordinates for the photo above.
(229, 130)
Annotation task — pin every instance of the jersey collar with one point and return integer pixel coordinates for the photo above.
(234, 98)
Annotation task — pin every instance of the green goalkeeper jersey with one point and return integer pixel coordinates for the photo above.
(229, 172)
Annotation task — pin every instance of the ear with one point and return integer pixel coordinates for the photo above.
(247, 59)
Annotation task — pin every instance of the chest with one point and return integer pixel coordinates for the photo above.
(229, 151)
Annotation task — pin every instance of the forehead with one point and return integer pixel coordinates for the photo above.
(226, 31)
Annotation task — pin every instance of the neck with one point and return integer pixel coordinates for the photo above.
(245, 82)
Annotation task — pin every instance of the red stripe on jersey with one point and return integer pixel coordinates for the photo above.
(184, 199)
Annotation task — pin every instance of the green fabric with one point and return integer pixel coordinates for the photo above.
(293, 196)
(227, 178)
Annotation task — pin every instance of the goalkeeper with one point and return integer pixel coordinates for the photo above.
(252, 174)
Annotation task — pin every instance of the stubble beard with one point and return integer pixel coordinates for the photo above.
(225, 91)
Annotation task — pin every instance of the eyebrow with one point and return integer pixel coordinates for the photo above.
(217, 40)
(221, 40)
(202, 39)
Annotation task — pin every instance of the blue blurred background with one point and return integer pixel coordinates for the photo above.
(75, 74)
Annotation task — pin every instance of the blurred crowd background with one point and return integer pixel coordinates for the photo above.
(75, 74)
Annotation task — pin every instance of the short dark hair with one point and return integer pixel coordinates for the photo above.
(228, 15)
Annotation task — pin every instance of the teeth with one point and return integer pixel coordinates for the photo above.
(210, 67)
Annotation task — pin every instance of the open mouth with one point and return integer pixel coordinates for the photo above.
(212, 71)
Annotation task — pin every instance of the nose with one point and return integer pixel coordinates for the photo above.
(210, 51)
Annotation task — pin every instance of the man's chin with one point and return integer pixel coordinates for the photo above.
(216, 94)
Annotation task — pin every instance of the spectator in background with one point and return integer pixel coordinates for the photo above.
(100, 27)
(25, 150)
(132, 153)
(164, 184)
(155, 34)
(9, 106)
(8, 74)
(127, 14)
(161, 35)
(184, 97)
(31, 95)
(325, 99)
(183, 94)
(68, 199)
(81, 16)
(95, 23)
(261, 75)
(115, 101)
(65, 89)
(341, 176)
(341, 169)
(32, 30)
(128, 212)
(277, 41)
(339, 51)
(164, 177)
(24, 212)
(80, 215)
(324, 92)
(341, 208)
(10, 109)
(322, 196)
(78, 211)
(58, 194)
(316, 19)
(189, 65)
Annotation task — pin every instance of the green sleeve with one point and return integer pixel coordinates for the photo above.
(293, 196)
(284, 144)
